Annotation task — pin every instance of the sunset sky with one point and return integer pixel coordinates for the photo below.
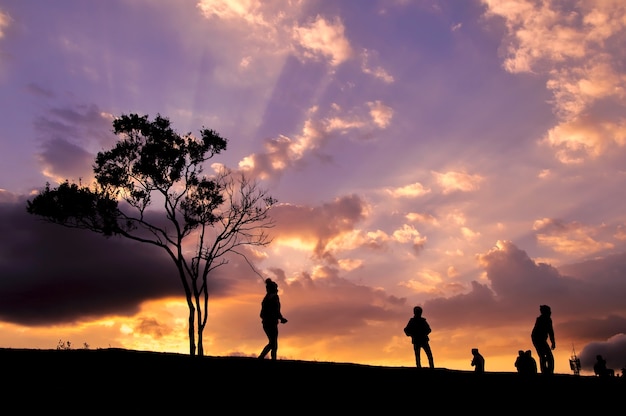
(465, 156)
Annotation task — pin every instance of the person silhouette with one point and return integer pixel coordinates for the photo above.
(519, 362)
(600, 368)
(270, 316)
(525, 363)
(478, 362)
(530, 362)
(539, 336)
(418, 329)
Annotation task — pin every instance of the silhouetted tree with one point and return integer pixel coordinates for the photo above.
(152, 163)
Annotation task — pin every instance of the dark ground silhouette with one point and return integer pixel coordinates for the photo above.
(136, 382)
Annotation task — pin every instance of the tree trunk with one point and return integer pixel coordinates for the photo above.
(200, 346)
(192, 329)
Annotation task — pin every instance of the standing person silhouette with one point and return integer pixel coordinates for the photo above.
(478, 362)
(418, 329)
(542, 331)
(270, 316)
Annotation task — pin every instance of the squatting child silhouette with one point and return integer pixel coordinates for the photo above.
(525, 363)
(418, 329)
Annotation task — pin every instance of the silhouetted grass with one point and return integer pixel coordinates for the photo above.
(138, 382)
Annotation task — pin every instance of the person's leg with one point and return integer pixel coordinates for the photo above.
(541, 354)
(270, 345)
(274, 350)
(273, 338)
(429, 354)
(266, 349)
(549, 361)
(416, 349)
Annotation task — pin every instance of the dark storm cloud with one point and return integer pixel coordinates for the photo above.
(50, 274)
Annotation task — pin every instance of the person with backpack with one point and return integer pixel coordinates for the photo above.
(418, 329)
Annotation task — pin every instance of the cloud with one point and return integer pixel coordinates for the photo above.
(378, 72)
(408, 234)
(381, 114)
(61, 160)
(53, 275)
(515, 277)
(613, 350)
(70, 137)
(457, 181)
(585, 137)
(517, 285)
(323, 224)
(150, 326)
(410, 191)
(331, 313)
(569, 238)
(284, 152)
(325, 38)
(250, 11)
(577, 47)
(422, 218)
(5, 21)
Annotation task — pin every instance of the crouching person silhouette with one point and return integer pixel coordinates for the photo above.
(600, 368)
(418, 329)
(270, 317)
(478, 361)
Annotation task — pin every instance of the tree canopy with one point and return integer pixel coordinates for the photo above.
(151, 164)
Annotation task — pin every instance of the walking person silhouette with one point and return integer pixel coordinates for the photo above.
(542, 331)
(418, 329)
(270, 316)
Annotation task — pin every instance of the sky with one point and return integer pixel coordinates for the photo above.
(464, 156)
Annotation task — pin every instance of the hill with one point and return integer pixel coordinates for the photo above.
(127, 381)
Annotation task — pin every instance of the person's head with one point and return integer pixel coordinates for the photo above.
(528, 353)
(474, 351)
(520, 352)
(271, 286)
(417, 311)
(544, 309)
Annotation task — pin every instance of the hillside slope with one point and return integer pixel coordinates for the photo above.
(143, 382)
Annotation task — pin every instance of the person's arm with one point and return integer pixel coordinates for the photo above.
(280, 315)
(551, 335)
(407, 328)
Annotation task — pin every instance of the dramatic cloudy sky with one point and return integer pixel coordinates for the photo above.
(466, 156)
